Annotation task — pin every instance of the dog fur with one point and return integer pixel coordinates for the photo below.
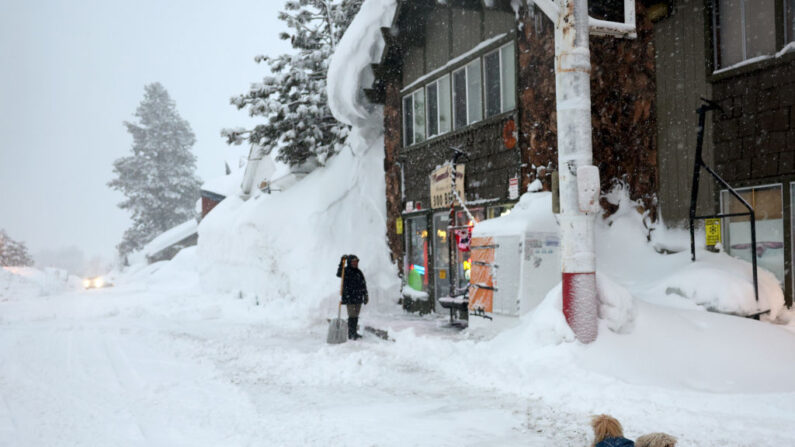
(656, 440)
(605, 426)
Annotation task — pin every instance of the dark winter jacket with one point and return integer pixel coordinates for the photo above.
(616, 442)
(354, 288)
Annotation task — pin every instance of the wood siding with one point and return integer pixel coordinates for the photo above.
(681, 59)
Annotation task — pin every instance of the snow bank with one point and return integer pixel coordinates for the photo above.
(627, 247)
(23, 282)
(349, 69)
(284, 247)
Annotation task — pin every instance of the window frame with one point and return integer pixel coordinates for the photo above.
(778, 37)
(500, 78)
(438, 84)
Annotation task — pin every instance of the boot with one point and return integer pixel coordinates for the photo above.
(352, 329)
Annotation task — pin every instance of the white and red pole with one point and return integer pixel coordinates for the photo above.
(578, 178)
(575, 158)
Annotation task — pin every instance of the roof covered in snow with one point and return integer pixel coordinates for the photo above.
(171, 237)
(224, 185)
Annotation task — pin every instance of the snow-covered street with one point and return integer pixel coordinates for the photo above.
(156, 361)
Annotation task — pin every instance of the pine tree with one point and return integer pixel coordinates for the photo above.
(13, 253)
(158, 179)
(293, 101)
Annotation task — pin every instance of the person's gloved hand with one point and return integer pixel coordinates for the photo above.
(366, 299)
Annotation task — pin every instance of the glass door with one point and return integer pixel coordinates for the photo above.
(441, 257)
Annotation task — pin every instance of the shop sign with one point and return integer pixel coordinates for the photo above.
(409, 206)
(513, 188)
(441, 185)
(442, 274)
(712, 228)
(399, 225)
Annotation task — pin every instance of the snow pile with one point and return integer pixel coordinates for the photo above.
(349, 69)
(285, 247)
(20, 282)
(533, 213)
(627, 247)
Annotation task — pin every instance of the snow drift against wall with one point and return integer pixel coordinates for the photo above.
(284, 247)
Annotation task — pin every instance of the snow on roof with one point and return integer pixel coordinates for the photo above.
(224, 185)
(350, 71)
(171, 237)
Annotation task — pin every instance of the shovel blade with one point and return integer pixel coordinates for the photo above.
(337, 331)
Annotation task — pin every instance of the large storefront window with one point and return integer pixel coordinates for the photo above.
(417, 253)
(768, 207)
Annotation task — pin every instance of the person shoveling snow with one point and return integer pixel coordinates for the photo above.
(354, 291)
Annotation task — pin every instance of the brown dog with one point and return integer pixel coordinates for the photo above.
(656, 440)
(605, 427)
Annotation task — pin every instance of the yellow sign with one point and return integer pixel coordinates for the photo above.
(713, 232)
(399, 225)
(442, 274)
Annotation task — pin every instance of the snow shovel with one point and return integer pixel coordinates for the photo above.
(337, 328)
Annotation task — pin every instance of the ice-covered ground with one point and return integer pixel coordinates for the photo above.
(158, 361)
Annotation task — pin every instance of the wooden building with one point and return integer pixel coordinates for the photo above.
(479, 75)
(740, 53)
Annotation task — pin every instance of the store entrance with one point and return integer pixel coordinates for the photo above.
(441, 258)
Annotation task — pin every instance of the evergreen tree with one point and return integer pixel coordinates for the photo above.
(158, 179)
(298, 122)
(13, 253)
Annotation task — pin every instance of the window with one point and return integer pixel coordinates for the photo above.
(767, 204)
(508, 64)
(438, 96)
(789, 17)
(419, 116)
(474, 96)
(414, 118)
(744, 29)
(492, 73)
(408, 121)
(459, 98)
(500, 80)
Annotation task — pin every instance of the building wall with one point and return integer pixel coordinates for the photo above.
(622, 104)
(392, 170)
(755, 137)
(681, 55)
(208, 204)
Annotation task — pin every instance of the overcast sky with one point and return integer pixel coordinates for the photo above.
(72, 71)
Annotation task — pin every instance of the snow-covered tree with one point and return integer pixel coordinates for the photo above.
(292, 99)
(13, 253)
(158, 179)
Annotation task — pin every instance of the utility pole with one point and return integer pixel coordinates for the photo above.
(579, 179)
